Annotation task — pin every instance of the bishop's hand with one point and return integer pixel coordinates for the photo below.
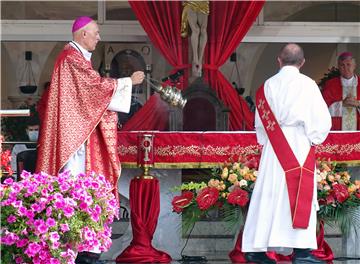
(137, 77)
(350, 101)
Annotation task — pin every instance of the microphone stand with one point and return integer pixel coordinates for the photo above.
(242, 113)
(241, 108)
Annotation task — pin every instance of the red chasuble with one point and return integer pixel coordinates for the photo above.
(75, 113)
(333, 92)
(299, 179)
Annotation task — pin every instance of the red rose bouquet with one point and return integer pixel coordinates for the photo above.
(228, 190)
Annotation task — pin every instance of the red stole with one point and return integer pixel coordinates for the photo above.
(76, 112)
(299, 179)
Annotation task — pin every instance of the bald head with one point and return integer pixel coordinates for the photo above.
(87, 36)
(291, 54)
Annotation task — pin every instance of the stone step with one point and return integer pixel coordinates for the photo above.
(215, 236)
(210, 228)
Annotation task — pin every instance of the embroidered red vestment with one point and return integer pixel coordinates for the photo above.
(333, 92)
(299, 179)
(75, 113)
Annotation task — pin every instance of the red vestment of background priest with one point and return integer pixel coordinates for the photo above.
(333, 92)
(75, 113)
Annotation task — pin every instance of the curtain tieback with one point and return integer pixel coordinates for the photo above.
(210, 67)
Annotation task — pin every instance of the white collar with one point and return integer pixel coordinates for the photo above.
(348, 82)
(84, 52)
(289, 68)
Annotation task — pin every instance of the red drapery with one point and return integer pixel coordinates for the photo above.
(145, 209)
(229, 21)
(323, 252)
(161, 21)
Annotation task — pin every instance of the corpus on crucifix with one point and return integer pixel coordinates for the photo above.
(195, 14)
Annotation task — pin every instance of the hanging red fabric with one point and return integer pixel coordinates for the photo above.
(323, 252)
(229, 21)
(145, 209)
(161, 21)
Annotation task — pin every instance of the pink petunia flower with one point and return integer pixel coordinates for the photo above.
(11, 219)
(64, 227)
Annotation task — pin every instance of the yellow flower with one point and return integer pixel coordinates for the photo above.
(352, 188)
(221, 186)
(331, 178)
(346, 176)
(213, 183)
(236, 166)
(232, 177)
(225, 173)
(243, 171)
(326, 167)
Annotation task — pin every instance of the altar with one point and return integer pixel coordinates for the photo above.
(174, 151)
(209, 149)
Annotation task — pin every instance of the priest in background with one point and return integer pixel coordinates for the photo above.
(280, 218)
(342, 95)
(79, 125)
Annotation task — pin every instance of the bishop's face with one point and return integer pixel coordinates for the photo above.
(91, 36)
(347, 68)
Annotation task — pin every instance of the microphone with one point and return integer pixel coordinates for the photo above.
(250, 102)
(239, 90)
(173, 77)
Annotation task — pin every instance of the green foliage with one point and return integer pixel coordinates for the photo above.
(333, 72)
(338, 196)
(338, 207)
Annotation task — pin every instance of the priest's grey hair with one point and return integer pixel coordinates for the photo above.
(291, 54)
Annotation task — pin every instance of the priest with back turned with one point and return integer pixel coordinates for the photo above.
(291, 117)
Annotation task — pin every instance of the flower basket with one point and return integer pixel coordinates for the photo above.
(228, 191)
(338, 196)
(230, 186)
(48, 219)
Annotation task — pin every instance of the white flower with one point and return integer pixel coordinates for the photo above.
(323, 175)
(318, 178)
(243, 183)
(327, 187)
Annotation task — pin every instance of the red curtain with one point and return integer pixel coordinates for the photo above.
(228, 23)
(145, 209)
(161, 21)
